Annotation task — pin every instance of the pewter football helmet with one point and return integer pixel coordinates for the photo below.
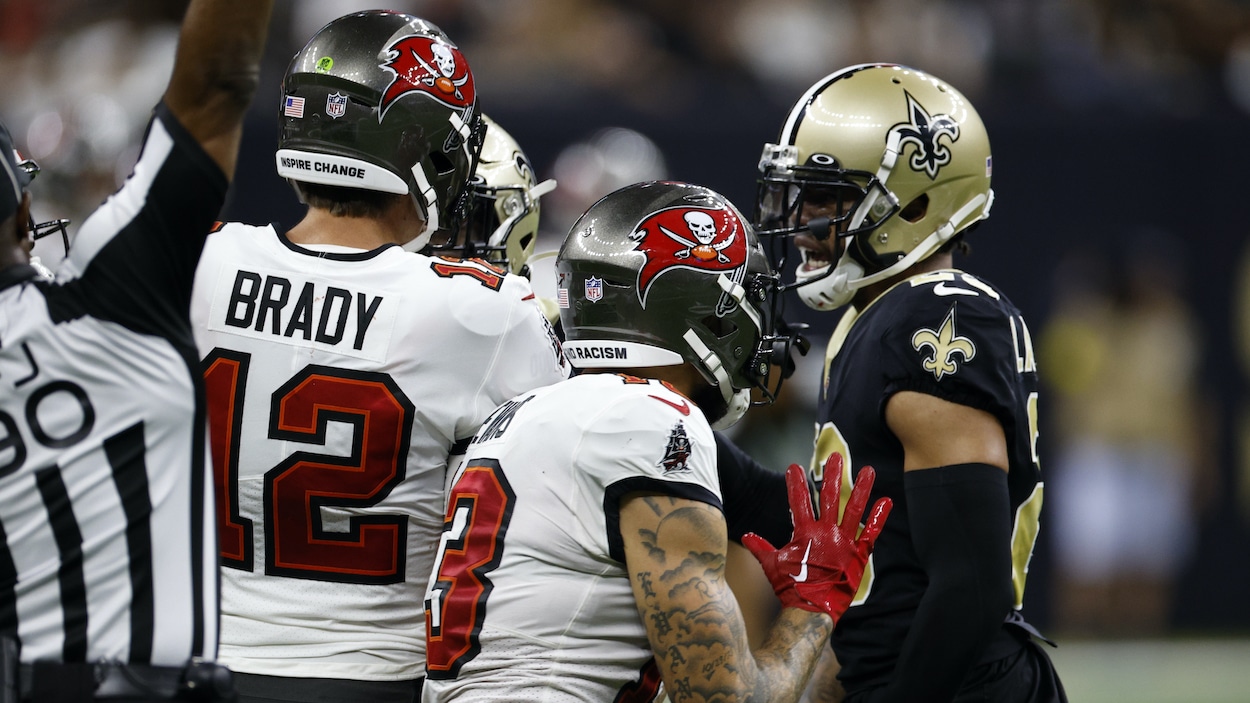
(383, 101)
(664, 273)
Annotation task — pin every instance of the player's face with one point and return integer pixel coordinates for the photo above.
(835, 204)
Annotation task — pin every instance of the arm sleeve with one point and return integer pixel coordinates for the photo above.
(961, 530)
(754, 498)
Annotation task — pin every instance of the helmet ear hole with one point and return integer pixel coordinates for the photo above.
(719, 326)
(440, 162)
(916, 209)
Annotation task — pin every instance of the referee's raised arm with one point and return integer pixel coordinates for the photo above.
(216, 72)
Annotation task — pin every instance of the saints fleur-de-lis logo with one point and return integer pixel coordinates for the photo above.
(945, 345)
(925, 133)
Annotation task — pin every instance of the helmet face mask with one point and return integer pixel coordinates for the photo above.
(500, 224)
(39, 230)
(909, 159)
(786, 187)
(664, 273)
(383, 101)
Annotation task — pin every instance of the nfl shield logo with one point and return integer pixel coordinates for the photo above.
(594, 289)
(336, 105)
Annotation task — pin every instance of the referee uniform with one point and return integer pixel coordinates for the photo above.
(108, 573)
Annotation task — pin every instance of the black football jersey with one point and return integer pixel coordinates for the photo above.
(954, 336)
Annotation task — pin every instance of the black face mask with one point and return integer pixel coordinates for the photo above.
(45, 229)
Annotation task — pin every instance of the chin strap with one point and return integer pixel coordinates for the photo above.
(427, 201)
(44, 272)
(736, 402)
(888, 159)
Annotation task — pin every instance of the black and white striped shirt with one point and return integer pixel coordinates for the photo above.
(107, 546)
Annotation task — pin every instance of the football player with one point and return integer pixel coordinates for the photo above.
(345, 370)
(501, 223)
(879, 172)
(108, 563)
(584, 550)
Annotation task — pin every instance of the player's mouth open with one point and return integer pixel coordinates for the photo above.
(814, 256)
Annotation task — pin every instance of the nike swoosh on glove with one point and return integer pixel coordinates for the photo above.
(820, 569)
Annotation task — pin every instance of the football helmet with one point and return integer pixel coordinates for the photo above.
(899, 159)
(383, 101)
(663, 273)
(19, 171)
(501, 221)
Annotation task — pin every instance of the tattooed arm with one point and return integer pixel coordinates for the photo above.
(824, 686)
(675, 553)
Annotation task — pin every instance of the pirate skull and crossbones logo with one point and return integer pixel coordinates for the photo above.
(442, 76)
(703, 229)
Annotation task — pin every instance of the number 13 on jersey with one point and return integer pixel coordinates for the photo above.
(478, 511)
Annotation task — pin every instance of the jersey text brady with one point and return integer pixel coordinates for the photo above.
(315, 312)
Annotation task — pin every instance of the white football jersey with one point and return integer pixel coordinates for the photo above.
(530, 599)
(107, 547)
(339, 382)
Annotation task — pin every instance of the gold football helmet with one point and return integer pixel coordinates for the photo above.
(501, 225)
(899, 159)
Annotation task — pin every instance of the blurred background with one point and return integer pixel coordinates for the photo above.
(1120, 130)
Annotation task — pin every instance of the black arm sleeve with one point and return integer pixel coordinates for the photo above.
(755, 498)
(961, 529)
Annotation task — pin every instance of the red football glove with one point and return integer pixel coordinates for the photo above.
(820, 569)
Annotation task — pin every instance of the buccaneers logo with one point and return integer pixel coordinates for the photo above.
(677, 453)
(703, 239)
(925, 132)
(429, 66)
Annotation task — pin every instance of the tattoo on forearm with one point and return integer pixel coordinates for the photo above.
(697, 630)
(644, 579)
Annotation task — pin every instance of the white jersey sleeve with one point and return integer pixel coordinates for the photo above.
(338, 384)
(530, 594)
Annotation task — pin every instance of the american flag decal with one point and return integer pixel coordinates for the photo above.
(293, 106)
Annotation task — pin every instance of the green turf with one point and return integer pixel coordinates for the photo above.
(1150, 671)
